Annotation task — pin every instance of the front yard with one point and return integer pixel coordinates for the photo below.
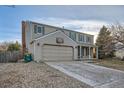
(40, 75)
(111, 63)
(35, 75)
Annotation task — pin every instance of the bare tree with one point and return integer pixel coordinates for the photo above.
(4, 46)
(117, 31)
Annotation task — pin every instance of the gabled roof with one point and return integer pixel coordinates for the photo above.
(59, 28)
(55, 33)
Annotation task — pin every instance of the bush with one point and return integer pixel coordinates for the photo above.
(14, 46)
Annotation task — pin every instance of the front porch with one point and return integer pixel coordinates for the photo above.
(87, 52)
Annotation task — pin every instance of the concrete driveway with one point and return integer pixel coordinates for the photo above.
(95, 76)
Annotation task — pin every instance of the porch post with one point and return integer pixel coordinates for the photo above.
(80, 52)
(89, 53)
(84, 52)
(96, 52)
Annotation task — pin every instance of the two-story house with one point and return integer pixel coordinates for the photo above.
(50, 43)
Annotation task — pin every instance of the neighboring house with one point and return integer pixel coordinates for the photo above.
(3, 48)
(50, 43)
(119, 51)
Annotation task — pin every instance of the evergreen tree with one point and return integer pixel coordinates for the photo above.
(105, 43)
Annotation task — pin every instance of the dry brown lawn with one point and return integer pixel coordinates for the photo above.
(35, 75)
(111, 63)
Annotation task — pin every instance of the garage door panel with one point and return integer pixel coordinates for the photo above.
(57, 53)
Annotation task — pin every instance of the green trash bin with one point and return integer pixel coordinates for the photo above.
(28, 57)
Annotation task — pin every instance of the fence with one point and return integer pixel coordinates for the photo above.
(10, 56)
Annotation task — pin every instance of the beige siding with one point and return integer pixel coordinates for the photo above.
(51, 39)
(34, 36)
(66, 32)
(50, 29)
(47, 30)
(91, 39)
(77, 34)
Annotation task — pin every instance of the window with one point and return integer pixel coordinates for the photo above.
(35, 29)
(88, 39)
(81, 37)
(72, 35)
(38, 29)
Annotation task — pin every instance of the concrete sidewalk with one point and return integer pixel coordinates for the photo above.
(96, 76)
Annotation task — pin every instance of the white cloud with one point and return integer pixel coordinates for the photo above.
(87, 26)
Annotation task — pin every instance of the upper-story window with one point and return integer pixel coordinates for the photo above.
(81, 37)
(38, 29)
(35, 29)
(88, 39)
(72, 35)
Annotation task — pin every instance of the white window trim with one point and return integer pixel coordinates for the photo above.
(72, 33)
(37, 29)
(83, 38)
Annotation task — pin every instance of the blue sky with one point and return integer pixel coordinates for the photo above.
(88, 19)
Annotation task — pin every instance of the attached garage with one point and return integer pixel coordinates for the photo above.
(57, 52)
(55, 47)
